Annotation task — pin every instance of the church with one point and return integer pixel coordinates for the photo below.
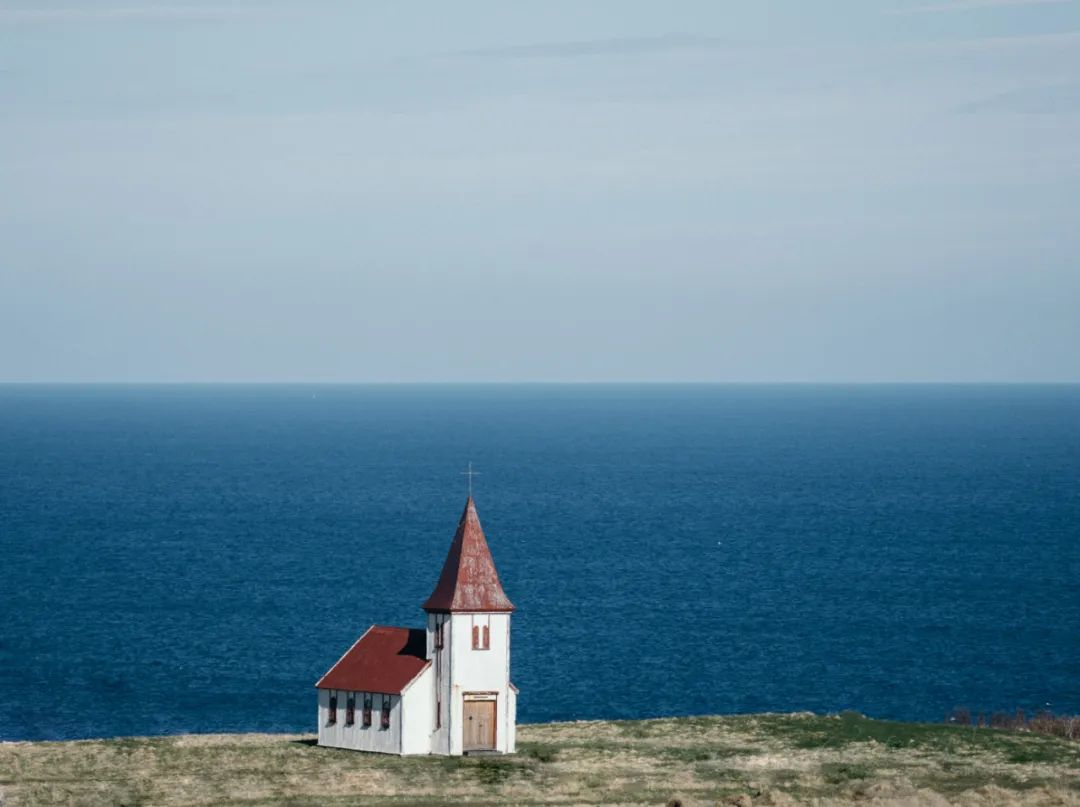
(444, 689)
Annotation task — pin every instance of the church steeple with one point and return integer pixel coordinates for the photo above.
(468, 581)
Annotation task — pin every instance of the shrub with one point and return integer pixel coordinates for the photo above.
(960, 716)
(1065, 726)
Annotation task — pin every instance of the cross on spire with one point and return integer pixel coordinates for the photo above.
(470, 473)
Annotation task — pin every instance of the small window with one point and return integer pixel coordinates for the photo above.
(475, 637)
(487, 637)
(332, 717)
(481, 637)
(350, 710)
(385, 723)
(367, 711)
(439, 635)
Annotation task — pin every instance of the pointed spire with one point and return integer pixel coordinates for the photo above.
(468, 581)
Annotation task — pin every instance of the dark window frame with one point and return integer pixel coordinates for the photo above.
(350, 709)
(331, 718)
(367, 711)
(384, 719)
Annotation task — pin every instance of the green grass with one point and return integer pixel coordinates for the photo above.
(843, 730)
(839, 772)
(538, 751)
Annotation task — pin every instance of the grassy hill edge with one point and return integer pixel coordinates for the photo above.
(772, 759)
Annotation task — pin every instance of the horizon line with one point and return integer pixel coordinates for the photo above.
(488, 383)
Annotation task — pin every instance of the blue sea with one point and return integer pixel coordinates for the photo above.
(192, 558)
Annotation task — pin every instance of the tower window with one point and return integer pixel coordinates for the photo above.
(481, 637)
(439, 635)
(367, 710)
(350, 709)
(331, 718)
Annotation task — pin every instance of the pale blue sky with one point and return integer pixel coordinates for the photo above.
(856, 190)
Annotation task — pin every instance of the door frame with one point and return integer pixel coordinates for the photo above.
(482, 697)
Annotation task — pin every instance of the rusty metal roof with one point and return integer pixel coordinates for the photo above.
(468, 581)
(383, 660)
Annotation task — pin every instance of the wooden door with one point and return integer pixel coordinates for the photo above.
(479, 725)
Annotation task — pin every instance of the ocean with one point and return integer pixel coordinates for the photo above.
(193, 558)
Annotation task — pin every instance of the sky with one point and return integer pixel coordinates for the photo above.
(611, 190)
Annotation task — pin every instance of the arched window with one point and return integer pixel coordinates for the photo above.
(367, 710)
(475, 637)
(332, 716)
(350, 709)
(487, 637)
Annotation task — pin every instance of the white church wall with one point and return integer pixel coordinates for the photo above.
(440, 683)
(511, 721)
(478, 670)
(418, 714)
(323, 700)
(357, 737)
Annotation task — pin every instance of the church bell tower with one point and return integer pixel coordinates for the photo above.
(468, 643)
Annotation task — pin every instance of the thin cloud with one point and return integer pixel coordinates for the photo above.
(1064, 39)
(1046, 100)
(973, 5)
(605, 47)
(67, 14)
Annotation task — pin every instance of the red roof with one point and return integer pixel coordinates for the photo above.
(383, 660)
(468, 581)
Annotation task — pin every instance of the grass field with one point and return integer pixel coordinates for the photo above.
(743, 760)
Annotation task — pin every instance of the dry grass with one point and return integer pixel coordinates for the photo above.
(747, 760)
